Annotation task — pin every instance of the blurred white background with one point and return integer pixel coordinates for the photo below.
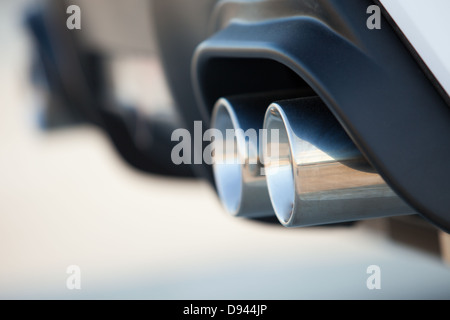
(66, 198)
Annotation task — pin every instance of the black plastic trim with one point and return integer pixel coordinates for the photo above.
(369, 81)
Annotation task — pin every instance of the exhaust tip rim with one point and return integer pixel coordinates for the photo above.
(283, 202)
(228, 177)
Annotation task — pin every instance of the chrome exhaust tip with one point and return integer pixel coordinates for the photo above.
(237, 166)
(318, 175)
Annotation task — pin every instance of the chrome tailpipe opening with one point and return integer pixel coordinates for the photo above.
(315, 173)
(237, 166)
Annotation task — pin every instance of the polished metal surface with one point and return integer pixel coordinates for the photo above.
(237, 167)
(318, 176)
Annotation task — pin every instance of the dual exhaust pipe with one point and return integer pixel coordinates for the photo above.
(302, 166)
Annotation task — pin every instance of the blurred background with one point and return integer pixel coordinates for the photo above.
(68, 198)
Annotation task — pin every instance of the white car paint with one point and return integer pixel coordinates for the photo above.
(426, 25)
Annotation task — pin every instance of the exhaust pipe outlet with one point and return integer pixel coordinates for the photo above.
(318, 175)
(237, 166)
